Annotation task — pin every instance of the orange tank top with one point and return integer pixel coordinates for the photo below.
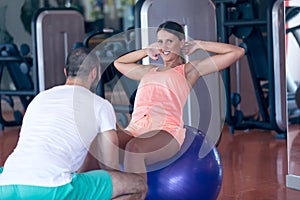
(160, 99)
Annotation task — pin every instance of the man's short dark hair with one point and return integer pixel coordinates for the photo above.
(80, 62)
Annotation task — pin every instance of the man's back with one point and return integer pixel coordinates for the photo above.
(57, 130)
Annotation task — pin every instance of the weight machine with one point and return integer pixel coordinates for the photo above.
(52, 37)
(259, 24)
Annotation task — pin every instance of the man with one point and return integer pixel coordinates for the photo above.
(59, 127)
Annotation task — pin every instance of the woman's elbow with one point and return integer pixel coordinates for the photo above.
(241, 51)
(116, 63)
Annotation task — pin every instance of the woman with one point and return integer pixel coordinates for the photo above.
(156, 132)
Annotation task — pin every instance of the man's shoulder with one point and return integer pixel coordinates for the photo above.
(101, 99)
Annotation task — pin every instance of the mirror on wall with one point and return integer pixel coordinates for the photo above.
(292, 37)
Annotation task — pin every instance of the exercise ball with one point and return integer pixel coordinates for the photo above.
(187, 176)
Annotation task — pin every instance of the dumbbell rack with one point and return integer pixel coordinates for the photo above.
(25, 85)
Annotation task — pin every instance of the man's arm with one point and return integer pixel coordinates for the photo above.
(106, 150)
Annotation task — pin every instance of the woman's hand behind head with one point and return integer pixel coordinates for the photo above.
(153, 51)
(190, 47)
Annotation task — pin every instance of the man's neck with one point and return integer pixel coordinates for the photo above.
(76, 81)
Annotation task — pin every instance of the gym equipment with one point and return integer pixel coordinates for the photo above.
(187, 176)
(259, 26)
(293, 91)
(293, 87)
(19, 68)
(54, 31)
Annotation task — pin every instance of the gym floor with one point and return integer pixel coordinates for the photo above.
(254, 164)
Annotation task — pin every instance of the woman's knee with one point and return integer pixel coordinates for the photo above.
(134, 146)
(123, 137)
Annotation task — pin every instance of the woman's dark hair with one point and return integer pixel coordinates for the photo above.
(172, 27)
(80, 62)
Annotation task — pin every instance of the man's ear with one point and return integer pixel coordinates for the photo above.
(65, 71)
(94, 73)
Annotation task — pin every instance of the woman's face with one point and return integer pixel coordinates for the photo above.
(169, 45)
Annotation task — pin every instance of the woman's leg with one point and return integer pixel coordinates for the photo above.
(147, 149)
(124, 137)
